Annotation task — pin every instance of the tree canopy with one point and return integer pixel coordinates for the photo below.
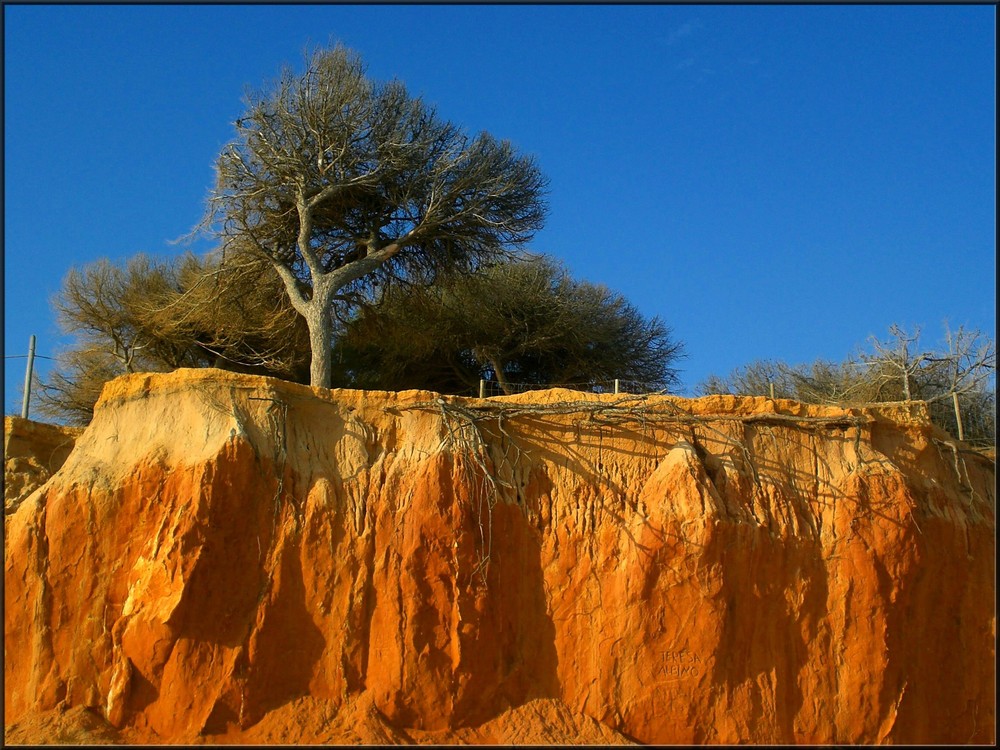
(517, 322)
(150, 315)
(340, 181)
(524, 321)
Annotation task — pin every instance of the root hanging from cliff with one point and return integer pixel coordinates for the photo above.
(962, 473)
(632, 409)
(484, 462)
(472, 459)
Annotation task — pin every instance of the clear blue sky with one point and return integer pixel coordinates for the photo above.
(773, 182)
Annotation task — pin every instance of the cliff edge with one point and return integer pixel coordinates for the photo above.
(229, 558)
(32, 453)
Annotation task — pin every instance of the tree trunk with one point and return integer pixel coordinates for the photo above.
(320, 344)
(316, 311)
(501, 379)
(958, 416)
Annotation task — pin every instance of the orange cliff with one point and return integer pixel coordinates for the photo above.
(228, 558)
(32, 452)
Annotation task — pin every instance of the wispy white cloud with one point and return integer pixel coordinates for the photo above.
(685, 29)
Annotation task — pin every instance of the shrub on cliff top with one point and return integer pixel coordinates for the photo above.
(957, 379)
(524, 321)
(156, 316)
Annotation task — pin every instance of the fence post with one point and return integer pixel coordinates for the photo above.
(482, 388)
(958, 416)
(616, 386)
(27, 377)
(772, 390)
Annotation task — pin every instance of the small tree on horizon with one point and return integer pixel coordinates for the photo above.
(339, 181)
(895, 361)
(957, 381)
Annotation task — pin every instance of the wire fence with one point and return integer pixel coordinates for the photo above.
(489, 388)
(978, 420)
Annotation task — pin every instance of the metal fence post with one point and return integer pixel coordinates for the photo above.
(27, 377)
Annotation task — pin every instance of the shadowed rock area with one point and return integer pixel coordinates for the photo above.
(230, 558)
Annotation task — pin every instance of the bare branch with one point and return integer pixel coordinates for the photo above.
(334, 178)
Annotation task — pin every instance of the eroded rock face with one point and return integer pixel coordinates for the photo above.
(219, 549)
(32, 452)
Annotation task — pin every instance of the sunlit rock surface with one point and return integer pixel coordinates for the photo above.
(32, 453)
(227, 558)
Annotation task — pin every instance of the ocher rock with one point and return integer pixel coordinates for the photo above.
(230, 558)
(32, 452)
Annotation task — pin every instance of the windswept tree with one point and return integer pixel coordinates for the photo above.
(526, 321)
(340, 181)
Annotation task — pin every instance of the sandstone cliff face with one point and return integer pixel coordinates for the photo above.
(232, 558)
(32, 453)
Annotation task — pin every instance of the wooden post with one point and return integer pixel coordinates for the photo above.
(27, 377)
(958, 416)
(772, 390)
(616, 386)
(482, 388)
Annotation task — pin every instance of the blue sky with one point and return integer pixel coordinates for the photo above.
(773, 182)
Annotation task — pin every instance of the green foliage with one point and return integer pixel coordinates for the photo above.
(519, 322)
(525, 321)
